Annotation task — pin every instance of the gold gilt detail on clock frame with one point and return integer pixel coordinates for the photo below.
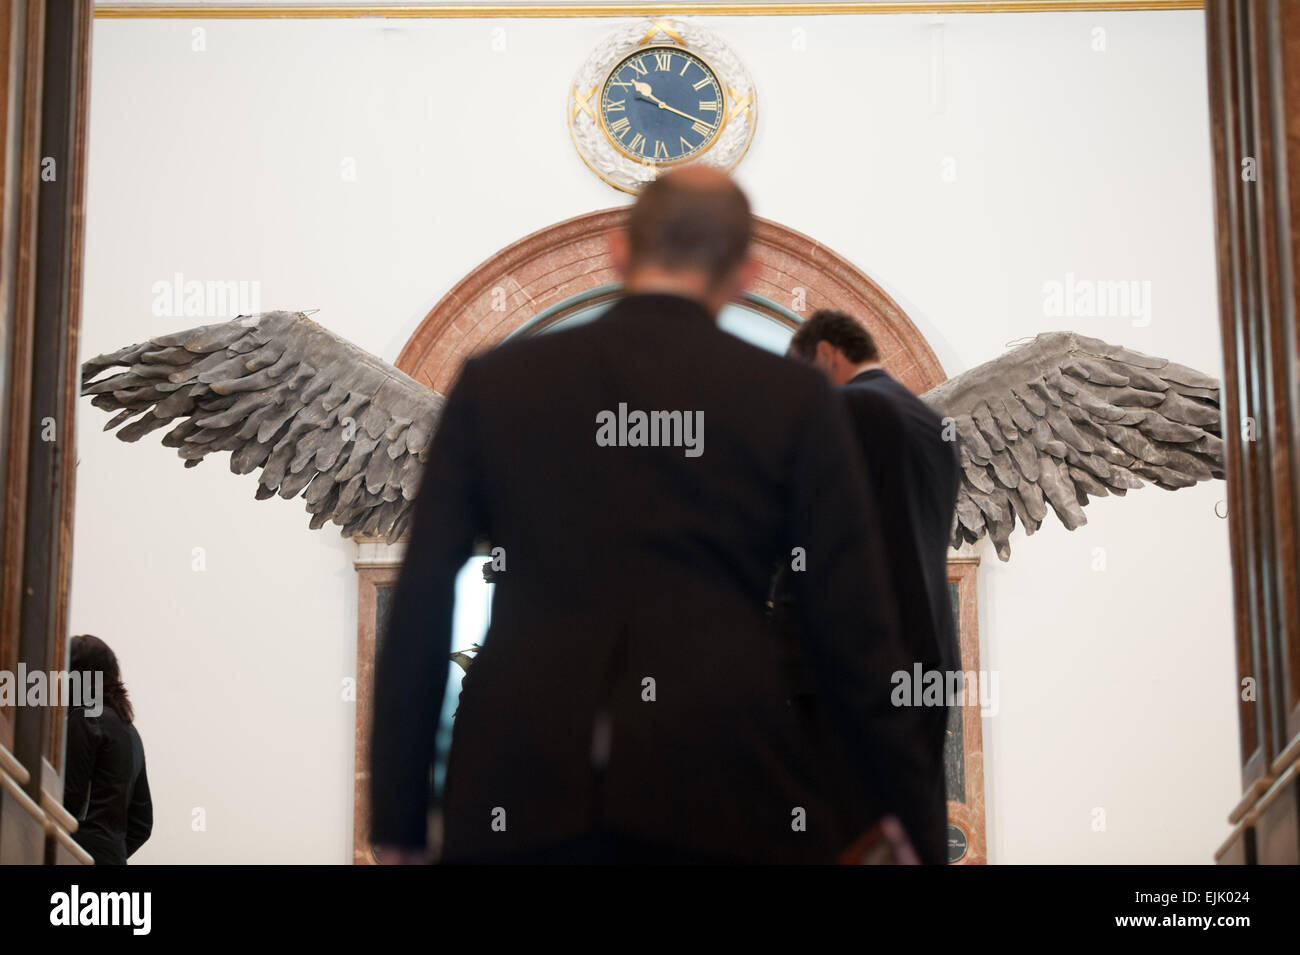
(598, 148)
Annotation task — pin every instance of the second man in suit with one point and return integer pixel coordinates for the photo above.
(912, 463)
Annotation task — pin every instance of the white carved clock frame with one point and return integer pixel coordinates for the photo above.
(738, 94)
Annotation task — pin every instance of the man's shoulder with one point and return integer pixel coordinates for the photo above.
(768, 365)
(884, 390)
(781, 388)
(884, 401)
(741, 365)
(530, 355)
(877, 384)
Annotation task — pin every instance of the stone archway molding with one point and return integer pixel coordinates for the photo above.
(562, 260)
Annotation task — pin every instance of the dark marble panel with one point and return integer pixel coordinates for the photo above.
(383, 608)
(954, 758)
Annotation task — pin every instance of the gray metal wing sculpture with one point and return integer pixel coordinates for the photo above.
(318, 415)
(1064, 417)
(1045, 425)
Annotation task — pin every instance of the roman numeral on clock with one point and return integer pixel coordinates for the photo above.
(702, 83)
(620, 127)
(711, 104)
(637, 142)
(701, 129)
(663, 61)
(661, 151)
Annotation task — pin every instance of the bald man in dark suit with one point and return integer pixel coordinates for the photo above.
(643, 473)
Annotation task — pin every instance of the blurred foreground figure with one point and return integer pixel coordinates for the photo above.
(106, 786)
(914, 474)
(643, 473)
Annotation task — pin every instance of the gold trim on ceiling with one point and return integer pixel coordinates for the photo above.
(233, 11)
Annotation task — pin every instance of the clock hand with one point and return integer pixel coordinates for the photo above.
(672, 109)
(645, 90)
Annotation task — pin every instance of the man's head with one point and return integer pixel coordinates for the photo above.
(835, 343)
(688, 233)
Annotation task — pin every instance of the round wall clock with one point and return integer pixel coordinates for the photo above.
(656, 94)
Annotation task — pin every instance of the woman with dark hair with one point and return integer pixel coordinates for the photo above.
(105, 786)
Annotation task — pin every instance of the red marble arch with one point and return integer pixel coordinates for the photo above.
(549, 266)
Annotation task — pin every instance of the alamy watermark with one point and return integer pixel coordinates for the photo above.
(80, 688)
(195, 298)
(1098, 298)
(921, 687)
(128, 909)
(651, 429)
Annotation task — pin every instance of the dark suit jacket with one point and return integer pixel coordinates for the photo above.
(914, 473)
(106, 786)
(629, 682)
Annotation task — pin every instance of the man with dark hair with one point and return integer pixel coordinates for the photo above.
(629, 703)
(913, 471)
(835, 343)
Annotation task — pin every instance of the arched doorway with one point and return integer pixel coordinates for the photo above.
(563, 275)
(556, 266)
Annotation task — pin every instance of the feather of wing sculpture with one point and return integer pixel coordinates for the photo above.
(319, 416)
(1044, 425)
(1066, 416)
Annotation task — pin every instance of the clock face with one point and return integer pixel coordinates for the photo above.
(657, 92)
(662, 105)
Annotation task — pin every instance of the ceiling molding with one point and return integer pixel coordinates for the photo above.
(317, 11)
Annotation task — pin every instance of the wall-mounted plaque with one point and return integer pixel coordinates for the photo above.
(957, 844)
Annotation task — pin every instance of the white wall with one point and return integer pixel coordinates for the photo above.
(1116, 685)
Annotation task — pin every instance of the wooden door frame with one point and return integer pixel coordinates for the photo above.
(46, 111)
